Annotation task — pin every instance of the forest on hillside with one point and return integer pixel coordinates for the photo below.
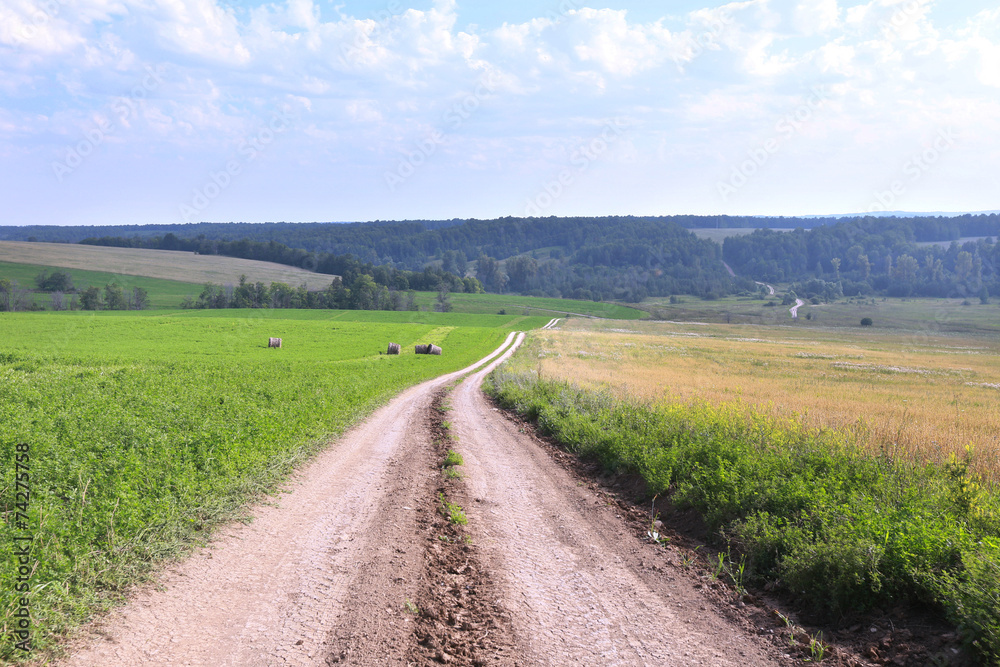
(602, 258)
(867, 257)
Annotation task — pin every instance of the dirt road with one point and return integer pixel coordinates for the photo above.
(581, 588)
(324, 574)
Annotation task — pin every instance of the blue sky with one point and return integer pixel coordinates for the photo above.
(160, 111)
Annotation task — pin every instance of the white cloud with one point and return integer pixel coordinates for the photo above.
(366, 88)
(197, 28)
(816, 16)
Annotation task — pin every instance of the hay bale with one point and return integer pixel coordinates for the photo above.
(434, 349)
(393, 348)
(274, 342)
(420, 349)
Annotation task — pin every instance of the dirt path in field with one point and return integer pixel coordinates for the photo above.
(581, 588)
(332, 571)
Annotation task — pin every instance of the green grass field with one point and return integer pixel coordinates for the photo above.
(145, 429)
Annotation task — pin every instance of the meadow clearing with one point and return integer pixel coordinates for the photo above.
(145, 429)
(897, 393)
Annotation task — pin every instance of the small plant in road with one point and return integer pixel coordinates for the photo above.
(452, 512)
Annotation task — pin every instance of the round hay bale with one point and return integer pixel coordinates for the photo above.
(434, 349)
(421, 349)
(274, 342)
(393, 348)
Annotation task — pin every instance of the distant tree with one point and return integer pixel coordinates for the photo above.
(866, 322)
(139, 299)
(6, 293)
(411, 300)
(963, 266)
(472, 285)
(984, 295)
(364, 293)
(57, 281)
(489, 273)
(904, 275)
(521, 271)
(442, 303)
(243, 294)
(448, 261)
(58, 301)
(461, 264)
(114, 297)
(90, 299)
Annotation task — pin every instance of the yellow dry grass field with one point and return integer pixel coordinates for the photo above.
(919, 396)
(167, 264)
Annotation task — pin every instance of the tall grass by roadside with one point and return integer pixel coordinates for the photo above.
(839, 528)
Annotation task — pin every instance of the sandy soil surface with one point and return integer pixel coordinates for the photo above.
(356, 564)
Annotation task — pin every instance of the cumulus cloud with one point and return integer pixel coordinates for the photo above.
(510, 99)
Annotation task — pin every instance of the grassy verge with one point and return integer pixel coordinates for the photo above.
(841, 530)
(144, 431)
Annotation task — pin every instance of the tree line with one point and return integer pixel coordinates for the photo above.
(374, 241)
(603, 258)
(363, 293)
(586, 258)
